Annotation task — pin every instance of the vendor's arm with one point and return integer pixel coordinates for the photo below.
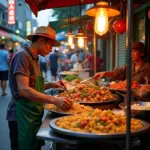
(100, 75)
(33, 95)
(116, 74)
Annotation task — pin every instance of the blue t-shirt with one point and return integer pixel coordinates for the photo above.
(4, 57)
(53, 60)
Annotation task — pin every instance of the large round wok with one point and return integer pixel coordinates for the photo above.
(66, 132)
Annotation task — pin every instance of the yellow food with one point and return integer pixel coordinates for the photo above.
(75, 109)
(98, 122)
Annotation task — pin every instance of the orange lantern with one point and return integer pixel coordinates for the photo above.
(120, 26)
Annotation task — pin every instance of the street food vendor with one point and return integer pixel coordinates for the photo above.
(140, 68)
(25, 110)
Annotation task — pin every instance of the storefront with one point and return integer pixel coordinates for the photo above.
(10, 39)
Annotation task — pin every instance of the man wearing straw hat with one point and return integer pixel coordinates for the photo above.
(25, 110)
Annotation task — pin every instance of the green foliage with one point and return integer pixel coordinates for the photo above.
(70, 78)
(63, 13)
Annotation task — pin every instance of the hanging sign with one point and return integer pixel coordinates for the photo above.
(28, 27)
(11, 11)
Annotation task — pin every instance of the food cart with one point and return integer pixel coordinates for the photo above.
(45, 132)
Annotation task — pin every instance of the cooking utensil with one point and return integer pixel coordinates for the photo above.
(87, 80)
(64, 86)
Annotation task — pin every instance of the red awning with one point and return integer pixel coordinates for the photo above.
(37, 5)
(4, 33)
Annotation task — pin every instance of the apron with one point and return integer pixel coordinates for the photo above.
(29, 116)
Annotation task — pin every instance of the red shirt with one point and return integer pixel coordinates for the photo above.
(99, 62)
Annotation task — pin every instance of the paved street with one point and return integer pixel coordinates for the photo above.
(4, 133)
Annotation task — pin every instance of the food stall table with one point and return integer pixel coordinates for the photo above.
(66, 142)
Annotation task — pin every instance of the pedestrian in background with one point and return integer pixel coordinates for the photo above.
(53, 62)
(43, 66)
(4, 61)
(99, 63)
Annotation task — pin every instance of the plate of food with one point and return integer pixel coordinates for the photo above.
(75, 109)
(137, 107)
(97, 124)
(90, 94)
(121, 86)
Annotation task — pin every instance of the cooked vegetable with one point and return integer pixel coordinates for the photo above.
(70, 78)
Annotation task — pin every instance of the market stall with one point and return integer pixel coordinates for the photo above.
(75, 128)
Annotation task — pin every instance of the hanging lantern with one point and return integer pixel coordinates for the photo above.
(101, 12)
(81, 37)
(70, 37)
(72, 46)
(120, 26)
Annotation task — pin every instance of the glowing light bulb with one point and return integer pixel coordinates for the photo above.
(101, 21)
(72, 46)
(70, 39)
(80, 42)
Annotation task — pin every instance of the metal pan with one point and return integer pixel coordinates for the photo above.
(101, 103)
(98, 103)
(142, 95)
(59, 114)
(118, 90)
(62, 131)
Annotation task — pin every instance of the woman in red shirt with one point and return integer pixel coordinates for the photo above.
(99, 63)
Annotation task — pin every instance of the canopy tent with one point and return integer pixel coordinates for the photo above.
(37, 5)
(4, 33)
(16, 38)
(11, 36)
(63, 25)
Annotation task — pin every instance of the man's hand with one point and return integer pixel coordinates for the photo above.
(63, 103)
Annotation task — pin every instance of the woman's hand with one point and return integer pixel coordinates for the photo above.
(100, 75)
(63, 102)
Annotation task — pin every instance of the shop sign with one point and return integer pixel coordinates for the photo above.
(11, 11)
(28, 27)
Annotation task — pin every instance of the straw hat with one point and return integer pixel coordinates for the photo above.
(47, 32)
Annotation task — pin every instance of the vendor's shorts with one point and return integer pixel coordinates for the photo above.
(53, 71)
(4, 75)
